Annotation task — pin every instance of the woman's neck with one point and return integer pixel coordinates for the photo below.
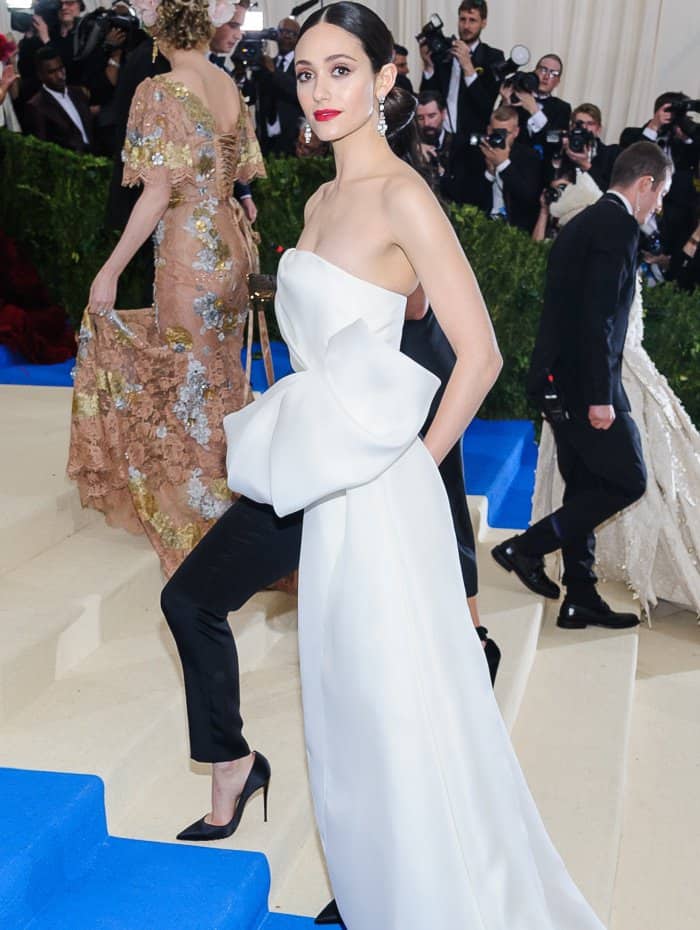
(360, 154)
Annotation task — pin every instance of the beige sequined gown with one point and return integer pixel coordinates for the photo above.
(152, 385)
(654, 545)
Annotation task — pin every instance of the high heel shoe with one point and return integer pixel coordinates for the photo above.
(259, 777)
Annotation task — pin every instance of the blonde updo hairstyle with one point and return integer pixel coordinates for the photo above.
(183, 24)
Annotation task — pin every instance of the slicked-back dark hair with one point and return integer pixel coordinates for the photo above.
(639, 160)
(361, 22)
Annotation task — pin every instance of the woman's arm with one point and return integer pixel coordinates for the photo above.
(428, 240)
(149, 208)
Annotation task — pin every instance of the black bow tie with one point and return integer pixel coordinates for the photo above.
(218, 60)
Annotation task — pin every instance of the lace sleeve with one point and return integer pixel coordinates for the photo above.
(156, 146)
(250, 161)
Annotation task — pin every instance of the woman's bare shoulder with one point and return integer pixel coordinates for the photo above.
(314, 200)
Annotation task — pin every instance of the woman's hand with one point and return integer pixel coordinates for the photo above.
(103, 292)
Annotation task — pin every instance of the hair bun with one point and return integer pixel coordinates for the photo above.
(399, 109)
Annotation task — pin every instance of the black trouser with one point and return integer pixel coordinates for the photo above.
(603, 472)
(250, 548)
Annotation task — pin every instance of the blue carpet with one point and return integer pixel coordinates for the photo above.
(500, 457)
(60, 869)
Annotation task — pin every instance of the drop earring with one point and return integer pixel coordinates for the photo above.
(381, 125)
(307, 133)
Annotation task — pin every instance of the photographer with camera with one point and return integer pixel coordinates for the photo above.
(279, 106)
(506, 176)
(678, 137)
(595, 158)
(436, 141)
(104, 40)
(539, 112)
(462, 72)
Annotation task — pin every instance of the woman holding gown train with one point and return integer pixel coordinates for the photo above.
(423, 812)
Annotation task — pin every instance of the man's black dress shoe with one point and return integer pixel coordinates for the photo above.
(578, 616)
(528, 568)
(330, 915)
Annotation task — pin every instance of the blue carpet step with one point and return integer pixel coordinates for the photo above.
(61, 870)
(498, 464)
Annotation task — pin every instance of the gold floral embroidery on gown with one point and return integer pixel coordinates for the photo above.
(152, 385)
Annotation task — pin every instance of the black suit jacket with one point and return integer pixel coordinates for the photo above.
(589, 289)
(475, 103)
(46, 119)
(558, 113)
(522, 185)
(278, 99)
(602, 164)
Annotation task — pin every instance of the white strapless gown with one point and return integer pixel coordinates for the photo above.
(425, 817)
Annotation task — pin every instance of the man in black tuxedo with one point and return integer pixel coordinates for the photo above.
(58, 113)
(541, 112)
(465, 79)
(575, 378)
(505, 181)
(436, 141)
(281, 114)
(597, 159)
(679, 138)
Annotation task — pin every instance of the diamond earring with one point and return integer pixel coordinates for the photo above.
(381, 125)
(307, 133)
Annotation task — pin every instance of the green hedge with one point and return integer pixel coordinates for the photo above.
(52, 202)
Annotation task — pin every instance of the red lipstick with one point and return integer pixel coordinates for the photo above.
(322, 116)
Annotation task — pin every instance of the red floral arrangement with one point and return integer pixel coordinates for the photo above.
(7, 49)
(29, 322)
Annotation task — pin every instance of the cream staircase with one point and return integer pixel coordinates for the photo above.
(90, 682)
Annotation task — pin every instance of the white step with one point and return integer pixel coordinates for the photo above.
(39, 506)
(60, 606)
(657, 877)
(572, 738)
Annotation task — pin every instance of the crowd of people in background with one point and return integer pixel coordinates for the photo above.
(507, 145)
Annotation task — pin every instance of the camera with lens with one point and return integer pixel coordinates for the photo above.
(250, 51)
(23, 21)
(522, 82)
(437, 42)
(92, 29)
(679, 110)
(496, 139)
(550, 195)
(579, 138)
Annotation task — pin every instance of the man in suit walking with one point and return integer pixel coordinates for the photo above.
(575, 378)
(465, 79)
(58, 113)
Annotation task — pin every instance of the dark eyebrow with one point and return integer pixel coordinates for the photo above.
(302, 61)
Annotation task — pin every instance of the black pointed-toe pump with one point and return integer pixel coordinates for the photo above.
(259, 777)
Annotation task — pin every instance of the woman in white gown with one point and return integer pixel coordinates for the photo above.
(653, 545)
(423, 812)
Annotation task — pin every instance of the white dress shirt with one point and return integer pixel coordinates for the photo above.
(453, 92)
(70, 108)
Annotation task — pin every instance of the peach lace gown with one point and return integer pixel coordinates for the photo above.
(152, 385)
